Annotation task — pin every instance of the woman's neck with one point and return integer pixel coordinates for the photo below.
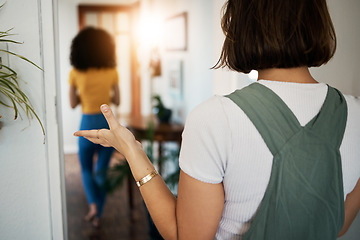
(296, 75)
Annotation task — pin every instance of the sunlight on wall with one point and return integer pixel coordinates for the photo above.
(150, 31)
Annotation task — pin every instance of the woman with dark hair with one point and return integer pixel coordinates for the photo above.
(278, 159)
(93, 81)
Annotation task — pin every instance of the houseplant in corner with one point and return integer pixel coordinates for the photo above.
(11, 95)
(162, 113)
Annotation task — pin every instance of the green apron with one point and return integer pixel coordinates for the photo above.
(305, 197)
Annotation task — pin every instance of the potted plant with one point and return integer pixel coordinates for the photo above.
(11, 95)
(162, 113)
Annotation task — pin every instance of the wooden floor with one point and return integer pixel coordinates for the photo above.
(118, 221)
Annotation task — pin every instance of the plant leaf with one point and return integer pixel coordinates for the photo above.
(8, 40)
(7, 84)
(19, 56)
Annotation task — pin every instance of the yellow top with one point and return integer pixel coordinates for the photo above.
(94, 87)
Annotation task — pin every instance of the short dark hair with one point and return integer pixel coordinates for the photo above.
(263, 34)
(92, 48)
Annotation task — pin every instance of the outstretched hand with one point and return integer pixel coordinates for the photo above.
(117, 136)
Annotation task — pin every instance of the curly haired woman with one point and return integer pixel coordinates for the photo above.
(93, 81)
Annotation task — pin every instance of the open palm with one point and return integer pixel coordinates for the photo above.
(117, 136)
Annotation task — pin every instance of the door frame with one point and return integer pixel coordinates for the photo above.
(49, 42)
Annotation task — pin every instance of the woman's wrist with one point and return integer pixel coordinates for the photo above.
(139, 162)
(132, 150)
(146, 178)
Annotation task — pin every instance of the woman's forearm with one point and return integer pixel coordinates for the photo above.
(160, 202)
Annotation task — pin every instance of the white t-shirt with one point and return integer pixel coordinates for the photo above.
(220, 144)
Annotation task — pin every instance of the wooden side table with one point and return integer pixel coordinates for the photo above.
(163, 132)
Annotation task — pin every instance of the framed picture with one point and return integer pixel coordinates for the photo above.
(176, 79)
(175, 32)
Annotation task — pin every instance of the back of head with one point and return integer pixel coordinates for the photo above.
(92, 48)
(263, 34)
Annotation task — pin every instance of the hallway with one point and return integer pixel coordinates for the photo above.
(118, 221)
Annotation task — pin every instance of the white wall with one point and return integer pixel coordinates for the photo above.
(30, 198)
(68, 28)
(342, 71)
(197, 59)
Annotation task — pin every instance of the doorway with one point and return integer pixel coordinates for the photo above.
(120, 22)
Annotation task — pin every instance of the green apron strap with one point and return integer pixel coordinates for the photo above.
(334, 108)
(267, 112)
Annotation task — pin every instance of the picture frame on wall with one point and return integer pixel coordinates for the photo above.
(176, 79)
(175, 33)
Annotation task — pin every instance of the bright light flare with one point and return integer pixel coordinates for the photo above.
(150, 31)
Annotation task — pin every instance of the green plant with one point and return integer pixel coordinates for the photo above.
(11, 95)
(116, 175)
(163, 113)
